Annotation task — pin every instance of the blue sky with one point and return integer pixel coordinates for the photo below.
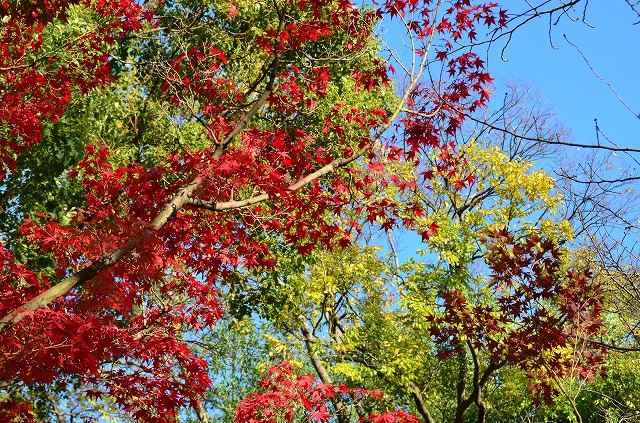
(613, 49)
(611, 43)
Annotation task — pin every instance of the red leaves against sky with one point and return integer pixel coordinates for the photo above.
(91, 334)
(531, 310)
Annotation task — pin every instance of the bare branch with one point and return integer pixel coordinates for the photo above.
(613, 346)
(637, 115)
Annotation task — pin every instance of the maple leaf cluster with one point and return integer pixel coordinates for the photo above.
(284, 396)
(38, 79)
(434, 110)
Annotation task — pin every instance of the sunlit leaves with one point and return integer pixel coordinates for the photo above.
(204, 145)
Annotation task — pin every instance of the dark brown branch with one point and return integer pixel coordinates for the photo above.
(476, 395)
(462, 401)
(613, 346)
(420, 405)
(633, 7)
(599, 181)
(530, 16)
(542, 140)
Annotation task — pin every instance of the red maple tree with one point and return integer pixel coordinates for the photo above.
(536, 316)
(284, 396)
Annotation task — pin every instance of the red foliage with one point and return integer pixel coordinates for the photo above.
(11, 411)
(533, 309)
(36, 85)
(178, 228)
(285, 395)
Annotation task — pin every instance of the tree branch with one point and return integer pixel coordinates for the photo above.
(542, 140)
(420, 405)
(613, 346)
(321, 371)
(162, 218)
(637, 115)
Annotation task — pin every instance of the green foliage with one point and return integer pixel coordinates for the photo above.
(361, 313)
(372, 320)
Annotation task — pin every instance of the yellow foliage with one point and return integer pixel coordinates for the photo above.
(507, 193)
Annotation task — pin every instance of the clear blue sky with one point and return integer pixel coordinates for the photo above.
(612, 48)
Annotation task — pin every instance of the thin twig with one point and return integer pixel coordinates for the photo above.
(637, 115)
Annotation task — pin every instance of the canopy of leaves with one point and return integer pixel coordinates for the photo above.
(165, 162)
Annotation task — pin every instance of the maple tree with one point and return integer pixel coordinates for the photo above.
(224, 133)
(354, 315)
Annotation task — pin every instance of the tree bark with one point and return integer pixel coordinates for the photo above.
(323, 374)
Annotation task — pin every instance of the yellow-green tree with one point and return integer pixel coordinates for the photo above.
(450, 331)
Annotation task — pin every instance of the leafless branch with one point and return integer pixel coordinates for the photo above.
(637, 115)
